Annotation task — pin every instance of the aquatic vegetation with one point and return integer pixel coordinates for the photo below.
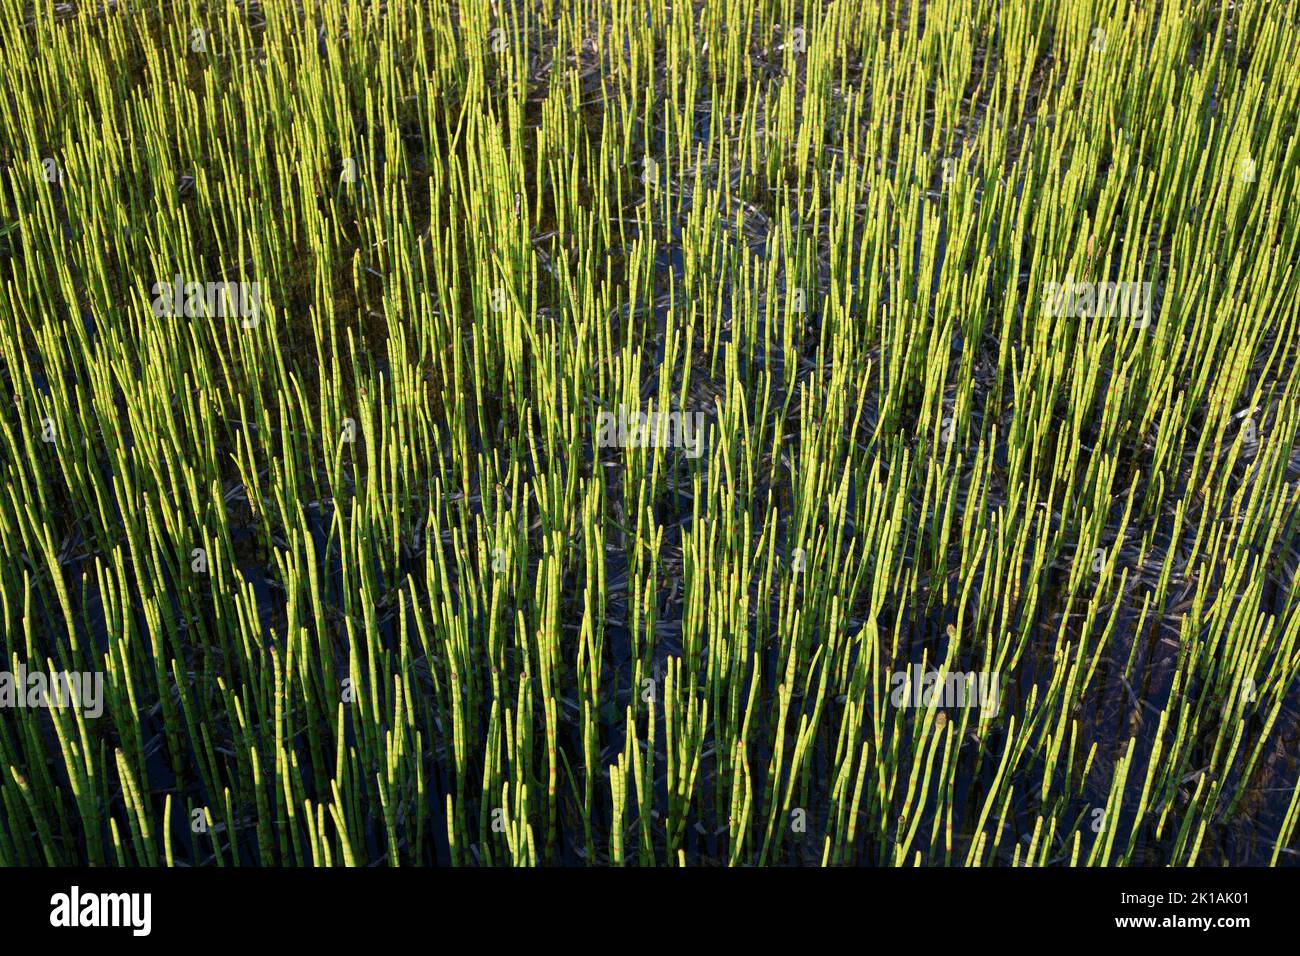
(623, 432)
